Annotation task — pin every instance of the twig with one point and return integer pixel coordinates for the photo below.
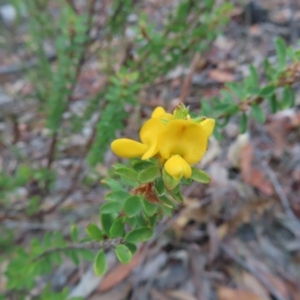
(72, 5)
(253, 271)
(185, 90)
(106, 244)
(283, 199)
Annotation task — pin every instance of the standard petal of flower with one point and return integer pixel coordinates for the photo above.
(208, 125)
(127, 148)
(177, 167)
(185, 138)
(158, 112)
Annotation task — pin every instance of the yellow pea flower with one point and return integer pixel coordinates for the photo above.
(182, 143)
(178, 143)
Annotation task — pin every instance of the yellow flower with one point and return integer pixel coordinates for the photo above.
(128, 148)
(160, 113)
(208, 125)
(182, 143)
(178, 143)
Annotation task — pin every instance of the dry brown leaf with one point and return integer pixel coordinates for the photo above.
(279, 125)
(180, 295)
(253, 285)
(252, 175)
(278, 284)
(221, 76)
(119, 273)
(225, 293)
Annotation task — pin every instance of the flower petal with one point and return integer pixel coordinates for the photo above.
(149, 134)
(208, 125)
(127, 148)
(177, 167)
(158, 112)
(185, 138)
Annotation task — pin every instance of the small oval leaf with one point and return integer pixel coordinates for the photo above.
(123, 253)
(169, 181)
(139, 235)
(111, 207)
(200, 176)
(149, 174)
(132, 206)
(94, 232)
(100, 264)
(117, 229)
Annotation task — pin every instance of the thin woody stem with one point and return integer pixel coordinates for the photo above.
(106, 244)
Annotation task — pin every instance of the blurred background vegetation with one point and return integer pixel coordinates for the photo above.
(77, 74)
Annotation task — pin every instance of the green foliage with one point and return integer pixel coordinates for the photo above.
(123, 253)
(245, 98)
(132, 206)
(200, 176)
(100, 264)
(149, 174)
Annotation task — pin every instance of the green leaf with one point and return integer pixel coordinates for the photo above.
(140, 221)
(237, 89)
(132, 206)
(131, 247)
(273, 104)
(267, 91)
(106, 222)
(72, 254)
(111, 207)
(74, 233)
(167, 210)
(131, 221)
(280, 47)
(149, 174)
(94, 232)
(117, 229)
(123, 253)
(149, 208)
(257, 113)
(169, 181)
(176, 194)
(200, 176)
(159, 186)
(100, 264)
(288, 97)
(113, 184)
(24, 173)
(253, 77)
(139, 235)
(116, 196)
(142, 164)
(243, 123)
(153, 220)
(86, 254)
(128, 173)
